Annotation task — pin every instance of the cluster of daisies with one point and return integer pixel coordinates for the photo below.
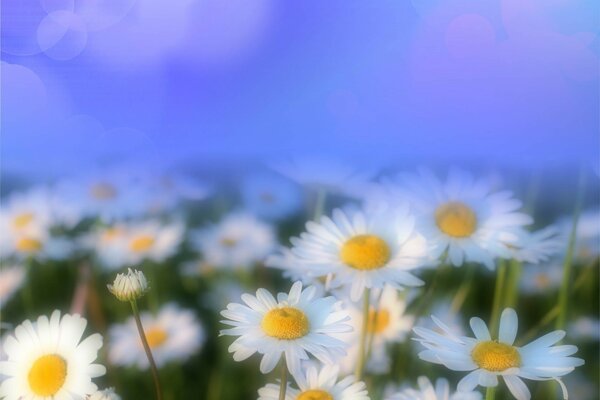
(360, 276)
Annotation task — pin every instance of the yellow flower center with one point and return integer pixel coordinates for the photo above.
(111, 234)
(228, 242)
(103, 191)
(495, 356)
(378, 320)
(365, 252)
(286, 323)
(141, 243)
(314, 394)
(29, 245)
(542, 281)
(22, 220)
(156, 337)
(456, 219)
(47, 375)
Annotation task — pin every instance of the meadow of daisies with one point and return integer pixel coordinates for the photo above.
(299, 281)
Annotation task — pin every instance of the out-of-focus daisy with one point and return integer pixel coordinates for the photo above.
(325, 174)
(588, 233)
(541, 278)
(11, 279)
(118, 245)
(363, 251)
(426, 391)
(319, 384)
(174, 334)
(271, 196)
(37, 244)
(538, 246)
(487, 359)
(166, 190)
(24, 212)
(106, 394)
(464, 217)
(295, 325)
(452, 319)
(585, 328)
(238, 241)
(48, 359)
(294, 269)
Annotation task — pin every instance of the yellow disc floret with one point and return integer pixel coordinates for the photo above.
(456, 219)
(141, 243)
(378, 320)
(495, 356)
(21, 221)
(156, 337)
(103, 191)
(29, 245)
(47, 375)
(365, 252)
(314, 394)
(286, 323)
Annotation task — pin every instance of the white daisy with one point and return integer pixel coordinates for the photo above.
(464, 217)
(23, 212)
(588, 233)
(427, 391)
(294, 325)
(452, 319)
(294, 269)
(47, 359)
(271, 196)
(11, 279)
(585, 328)
(487, 359)
(35, 243)
(106, 394)
(363, 251)
(173, 335)
(541, 278)
(132, 243)
(538, 246)
(238, 241)
(319, 384)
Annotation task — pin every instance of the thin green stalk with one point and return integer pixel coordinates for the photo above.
(463, 290)
(498, 291)
(563, 295)
(138, 322)
(283, 384)
(360, 365)
(490, 393)
(514, 275)
(320, 204)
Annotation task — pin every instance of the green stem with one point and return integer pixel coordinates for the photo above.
(360, 365)
(138, 322)
(320, 204)
(283, 384)
(490, 393)
(463, 290)
(514, 275)
(563, 295)
(498, 291)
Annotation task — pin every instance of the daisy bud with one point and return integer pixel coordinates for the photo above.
(130, 286)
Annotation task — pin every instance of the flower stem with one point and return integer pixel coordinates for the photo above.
(283, 383)
(490, 393)
(563, 295)
(138, 322)
(497, 305)
(360, 365)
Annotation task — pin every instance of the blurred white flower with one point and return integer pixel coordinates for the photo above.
(11, 279)
(541, 278)
(48, 359)
(538, 246)
(321, 383)
(588, 233)
(427, 391)
(36, 244)
(174, 334)
(463, 217)
(271, 196)
(106, 394)
(585, 328)
(238, 241)
(363, 251)
(129, 286)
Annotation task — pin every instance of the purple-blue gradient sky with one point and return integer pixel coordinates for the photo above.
(513, 82)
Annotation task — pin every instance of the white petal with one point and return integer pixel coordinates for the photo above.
(509, 324)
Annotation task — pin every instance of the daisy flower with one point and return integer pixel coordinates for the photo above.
(294, 270)
(363, 251)
(238, 241)
(588, 233)
(22, 212)
(541, 278)
(11, 279)
(271, 196)
(319, 384)
(426, 391)
(35, 243)
(487, 359)
(464, 217)
(294, 325)
(536, 247)
(174, 334)
(106, 394)
(585, 328)
(48, 359)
